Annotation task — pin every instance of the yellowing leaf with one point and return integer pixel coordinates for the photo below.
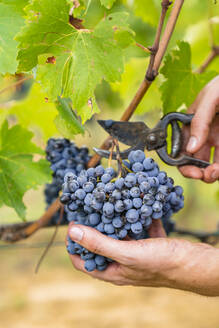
(35, 113)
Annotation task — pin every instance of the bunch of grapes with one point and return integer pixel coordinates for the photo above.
(64, 157)
(122, 206)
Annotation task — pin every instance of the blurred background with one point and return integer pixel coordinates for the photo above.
(59, 296)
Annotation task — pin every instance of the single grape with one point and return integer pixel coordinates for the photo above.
(94, 219)
(119, 206)
(108, 209)
(88, 186)
(148, 164)
(106, 178)
(137, 202)
(138, 156)
(132, 216)
(135, 192)
(137, 167)
(109, 228)
(136, 227)
(119, 183)
(90, 265)
(80, 194)
(117, 222)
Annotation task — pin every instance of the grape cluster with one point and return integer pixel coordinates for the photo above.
(122, 206)
(64, 157)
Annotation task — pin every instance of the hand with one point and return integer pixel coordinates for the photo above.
(157, 262)
(204, 133)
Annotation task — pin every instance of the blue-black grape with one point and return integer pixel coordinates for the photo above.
(67, 160)
(120, 207)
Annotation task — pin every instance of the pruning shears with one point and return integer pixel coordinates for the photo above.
(139, 136)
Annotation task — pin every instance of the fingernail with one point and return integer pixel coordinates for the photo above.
(215, 175)
(192, 144)
(76, 233)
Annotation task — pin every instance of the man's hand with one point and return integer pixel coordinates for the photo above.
(204, 133)
(156, 262)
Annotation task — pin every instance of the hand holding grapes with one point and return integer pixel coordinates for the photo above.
(204, 133)
(159, 262)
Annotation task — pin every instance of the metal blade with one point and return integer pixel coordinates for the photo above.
(123, 155)
(129, 133)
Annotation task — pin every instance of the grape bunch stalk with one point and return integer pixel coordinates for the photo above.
(122, 206)
(64, 157)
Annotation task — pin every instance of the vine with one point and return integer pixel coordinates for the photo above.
(57, 56)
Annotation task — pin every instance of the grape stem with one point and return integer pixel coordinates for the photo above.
(211, 56)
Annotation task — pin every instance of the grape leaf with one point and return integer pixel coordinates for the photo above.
(148, 10)
(67, 122)
(11, 20)
(18, 171)
(35, 113)
(82, 57)
(107, 3)
(182, 85)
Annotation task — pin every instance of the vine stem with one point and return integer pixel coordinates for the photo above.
(13, 85)
(151, 73)
(145, 83)
(212, 55)
(15, 232)
(211, 238)
(161, 49)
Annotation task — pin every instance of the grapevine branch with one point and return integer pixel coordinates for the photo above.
(15, 84)
(145, 83)
(15, 232)
(211, 238)
(151, 74)
(212, 55)
(158, 54)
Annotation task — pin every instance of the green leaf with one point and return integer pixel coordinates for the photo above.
(148, 10)
(67, 122)
(107, 3)
(11, 21)
(18, 171)
(82, 57)
(35, 113)
(182, 85)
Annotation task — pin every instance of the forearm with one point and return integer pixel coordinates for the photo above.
(195, 268)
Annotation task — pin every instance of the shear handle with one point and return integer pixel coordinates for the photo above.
(182, 160)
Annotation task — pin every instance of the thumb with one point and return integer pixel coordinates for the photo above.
(100, 244)
(200, 125)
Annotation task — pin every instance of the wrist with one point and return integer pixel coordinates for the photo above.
(193, 267)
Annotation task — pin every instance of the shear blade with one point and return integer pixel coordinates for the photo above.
(101, 152)
(128, 133)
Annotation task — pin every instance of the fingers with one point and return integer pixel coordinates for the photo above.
(156, 230)
(216, 154)
(112, 274)
(200, 125)
(211, 173)
(120, 251)
(192, 172)
(208, 175)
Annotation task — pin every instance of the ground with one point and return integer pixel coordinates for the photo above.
(59, 296)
